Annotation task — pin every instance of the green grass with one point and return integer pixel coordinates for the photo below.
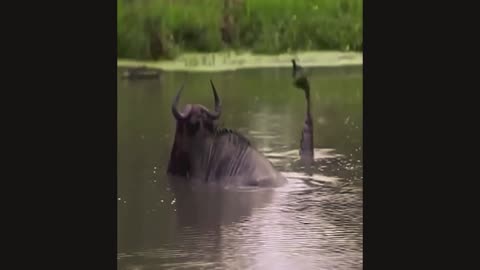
(153, 29)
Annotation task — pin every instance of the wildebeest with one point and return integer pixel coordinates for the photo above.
(204, 152)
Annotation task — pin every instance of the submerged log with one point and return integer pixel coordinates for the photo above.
(140, 73)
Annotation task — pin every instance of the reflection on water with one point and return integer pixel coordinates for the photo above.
(313, 222)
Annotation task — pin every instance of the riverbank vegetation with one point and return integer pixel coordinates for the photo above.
(162, 29)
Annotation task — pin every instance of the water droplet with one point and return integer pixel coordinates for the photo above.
(154, 172)
(161, 201)
(124, 201)
(173, 201)
(119, 199)
(155, 167)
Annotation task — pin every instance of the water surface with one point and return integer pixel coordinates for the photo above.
(313, 222)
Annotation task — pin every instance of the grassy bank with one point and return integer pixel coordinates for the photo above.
(227, 61)
(162, 29)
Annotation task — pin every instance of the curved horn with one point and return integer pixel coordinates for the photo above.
(178, 115)
(218, 104)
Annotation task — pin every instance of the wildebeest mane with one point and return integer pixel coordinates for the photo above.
(233, 136)
(226, 141)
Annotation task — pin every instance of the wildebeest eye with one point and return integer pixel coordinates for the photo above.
(193, 128)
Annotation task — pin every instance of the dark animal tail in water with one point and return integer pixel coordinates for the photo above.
(306, 141)
(300, 77)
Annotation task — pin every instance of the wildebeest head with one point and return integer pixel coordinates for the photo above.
(194, 121)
